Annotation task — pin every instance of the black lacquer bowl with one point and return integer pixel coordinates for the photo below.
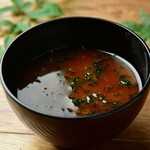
(88, 131)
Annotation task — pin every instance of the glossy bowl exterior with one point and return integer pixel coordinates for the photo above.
(92, 33)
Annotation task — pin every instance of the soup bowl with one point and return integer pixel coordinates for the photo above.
(85, 131)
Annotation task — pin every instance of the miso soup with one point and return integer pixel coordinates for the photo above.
(77, 82)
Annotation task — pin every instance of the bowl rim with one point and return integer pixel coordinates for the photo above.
(101, 115)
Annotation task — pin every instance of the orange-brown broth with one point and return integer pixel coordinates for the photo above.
(87, 81)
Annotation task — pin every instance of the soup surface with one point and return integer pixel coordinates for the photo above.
(69, 83)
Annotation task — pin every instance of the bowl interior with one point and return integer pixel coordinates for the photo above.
(74, 32)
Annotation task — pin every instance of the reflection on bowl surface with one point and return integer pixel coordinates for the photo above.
(77, 81)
